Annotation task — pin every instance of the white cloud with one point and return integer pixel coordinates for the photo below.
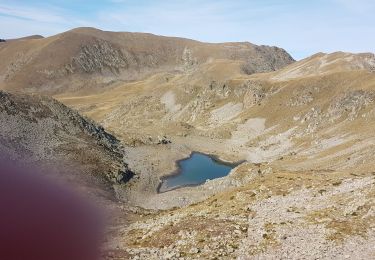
(22, 20)
(12, 27)
(30, 13)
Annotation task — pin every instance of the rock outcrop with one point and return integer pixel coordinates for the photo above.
(266, 59)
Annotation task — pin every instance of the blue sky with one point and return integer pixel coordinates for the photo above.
(301, 27)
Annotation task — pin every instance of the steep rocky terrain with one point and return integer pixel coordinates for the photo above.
(86, 59)
(304, 131)
(38, 130)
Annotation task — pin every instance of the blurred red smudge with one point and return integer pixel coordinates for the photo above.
(43, 220)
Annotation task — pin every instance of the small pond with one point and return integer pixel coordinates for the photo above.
(195, 170)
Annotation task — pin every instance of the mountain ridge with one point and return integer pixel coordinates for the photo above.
(67, 61)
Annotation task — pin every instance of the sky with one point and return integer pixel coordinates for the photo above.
(302, 27)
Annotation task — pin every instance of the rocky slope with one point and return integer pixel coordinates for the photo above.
(305, 131)
(86, 59)
(38, 130)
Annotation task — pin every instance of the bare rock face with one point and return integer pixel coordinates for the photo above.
(254, 94)
(350, 104)
(20, 60)
(188, 59)
(98, 56)
(267, 59)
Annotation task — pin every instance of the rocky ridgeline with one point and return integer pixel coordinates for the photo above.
(38, 128)
(100, 55)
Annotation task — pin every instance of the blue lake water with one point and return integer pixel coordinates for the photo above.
(195, 170)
